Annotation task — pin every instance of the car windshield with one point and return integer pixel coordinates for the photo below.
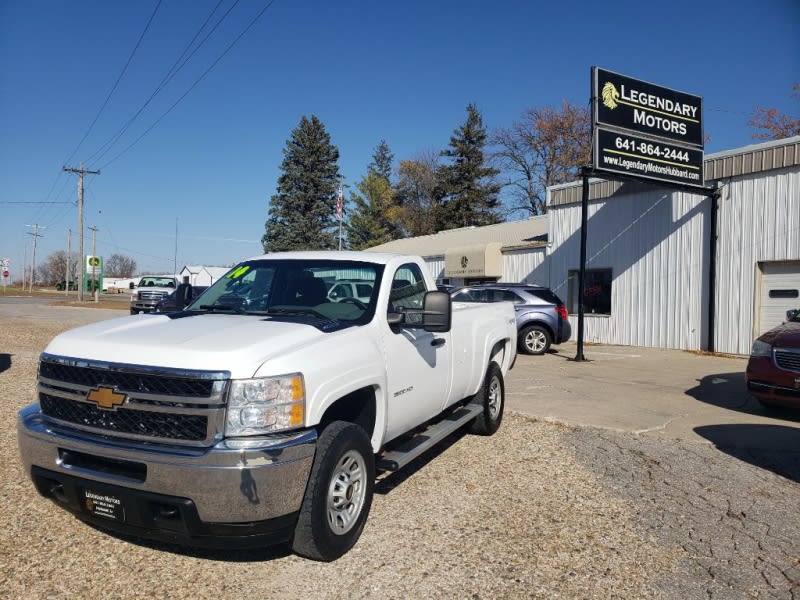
(296, 289)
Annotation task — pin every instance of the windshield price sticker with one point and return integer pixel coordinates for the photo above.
(634, 155)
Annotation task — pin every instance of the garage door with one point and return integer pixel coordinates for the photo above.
(780, 291)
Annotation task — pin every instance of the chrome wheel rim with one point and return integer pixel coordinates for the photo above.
(535, 340)
(346, 492)
(494, 398)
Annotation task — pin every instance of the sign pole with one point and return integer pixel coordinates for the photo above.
(579, 357)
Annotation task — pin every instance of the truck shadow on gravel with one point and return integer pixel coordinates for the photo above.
(774, 448)
(393, 480)
(5, 362)
(234, 556)
(382, 486)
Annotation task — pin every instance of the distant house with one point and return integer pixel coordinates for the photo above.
(201, 275)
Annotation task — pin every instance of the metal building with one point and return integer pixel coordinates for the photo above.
(649, 253)
(509, 251)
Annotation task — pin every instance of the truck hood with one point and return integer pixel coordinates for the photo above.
(217, 342)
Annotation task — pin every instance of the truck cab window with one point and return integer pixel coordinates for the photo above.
(408, 291)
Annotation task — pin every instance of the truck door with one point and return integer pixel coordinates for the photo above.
(417, 361)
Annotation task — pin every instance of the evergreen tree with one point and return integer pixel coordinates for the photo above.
(302, 214)
(468, 185)
(382, 160)
(370, 221)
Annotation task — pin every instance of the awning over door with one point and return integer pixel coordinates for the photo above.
(480, 260)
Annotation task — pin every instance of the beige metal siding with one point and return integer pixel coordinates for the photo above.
(524, 266)
(435, 266)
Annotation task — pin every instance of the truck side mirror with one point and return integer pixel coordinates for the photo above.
(791, 314)
(437, 312)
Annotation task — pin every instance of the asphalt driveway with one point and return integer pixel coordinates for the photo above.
(670, 394)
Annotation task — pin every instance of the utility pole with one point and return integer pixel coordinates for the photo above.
(69, 251)
(92, 285)
(80, 172)
(35, 233)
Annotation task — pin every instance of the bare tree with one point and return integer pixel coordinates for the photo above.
(775, 125)
(418, 194)
(54, 268)
(119, 265)
(545, 147)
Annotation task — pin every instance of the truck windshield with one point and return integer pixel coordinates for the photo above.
(157, 282)
(298, 289)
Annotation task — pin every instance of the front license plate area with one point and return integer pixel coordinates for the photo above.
(103, 505)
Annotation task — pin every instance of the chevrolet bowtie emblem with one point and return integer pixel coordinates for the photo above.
(106, 397)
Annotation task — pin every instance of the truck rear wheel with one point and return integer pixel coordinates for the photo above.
(492, 398)
(338, 495)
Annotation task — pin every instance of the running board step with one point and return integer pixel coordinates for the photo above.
(423, 441)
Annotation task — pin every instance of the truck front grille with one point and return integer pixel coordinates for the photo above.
(145, 295)
(125, 380)
(160, 405)
(166, 426)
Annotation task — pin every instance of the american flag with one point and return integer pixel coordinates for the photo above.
(339, 203)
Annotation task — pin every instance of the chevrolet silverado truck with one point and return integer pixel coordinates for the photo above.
(263, 412)
(150, 290)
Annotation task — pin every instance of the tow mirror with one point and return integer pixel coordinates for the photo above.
(791, 314)
(436, 312)
(434, 316)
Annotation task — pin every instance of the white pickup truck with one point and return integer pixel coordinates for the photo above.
(261, 413)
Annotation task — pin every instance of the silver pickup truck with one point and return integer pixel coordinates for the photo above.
(150, 290)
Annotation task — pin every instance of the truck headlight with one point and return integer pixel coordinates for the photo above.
(761, 349)
(265, 405)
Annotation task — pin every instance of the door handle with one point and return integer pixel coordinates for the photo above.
(436, 342)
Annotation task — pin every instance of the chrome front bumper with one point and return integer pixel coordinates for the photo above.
(234, 482)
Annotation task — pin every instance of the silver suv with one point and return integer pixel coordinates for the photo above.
(542, 317)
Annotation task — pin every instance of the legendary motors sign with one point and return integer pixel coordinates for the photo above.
(645, 108)
(644, 130)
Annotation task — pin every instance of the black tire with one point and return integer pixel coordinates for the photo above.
(134, 311)
(338, 495)
(534, 339)
(492, 397)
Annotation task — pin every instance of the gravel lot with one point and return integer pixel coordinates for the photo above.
(539, 510)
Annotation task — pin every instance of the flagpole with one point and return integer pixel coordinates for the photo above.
(339, 210)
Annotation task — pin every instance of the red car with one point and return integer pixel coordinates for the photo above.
(773, 371)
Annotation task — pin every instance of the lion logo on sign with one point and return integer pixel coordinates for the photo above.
(610, 95)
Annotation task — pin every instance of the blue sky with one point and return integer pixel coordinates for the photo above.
(399, 71)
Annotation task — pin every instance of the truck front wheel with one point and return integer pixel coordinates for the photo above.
(491, 397)
(338, 495)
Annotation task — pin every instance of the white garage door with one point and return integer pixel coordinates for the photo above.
(780, 291)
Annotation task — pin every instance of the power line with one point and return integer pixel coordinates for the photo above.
(196, 82)
(168, 77)
(116, 83)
